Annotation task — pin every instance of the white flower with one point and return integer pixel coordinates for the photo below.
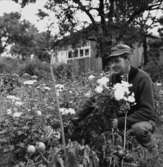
(29, 82)
(91, 77)
(103, 81)
(119, 94)
(38, 112)
(18, 103)
(98, 89)
(59, 88)
(13, 98)
(65, 111)
(43, 87)
(131, 98)
(71, 111)
(46, 88)
(17, 114)
(121, 90)
(9, 111)
(158, 84)
(88, 94)
(34, 76)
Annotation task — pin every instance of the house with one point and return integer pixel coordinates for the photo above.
(80, 51)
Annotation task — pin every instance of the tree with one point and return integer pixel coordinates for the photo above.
(25, 43)
(23, 37)
(9, 24)
(43, 43)
(19, 34)
(127, 15)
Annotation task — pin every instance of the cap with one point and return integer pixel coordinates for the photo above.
(119, 49)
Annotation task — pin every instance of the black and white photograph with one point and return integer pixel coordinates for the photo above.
(81, 83)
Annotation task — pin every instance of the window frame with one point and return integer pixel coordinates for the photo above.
(79, 57)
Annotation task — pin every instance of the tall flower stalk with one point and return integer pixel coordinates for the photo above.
(58, 106)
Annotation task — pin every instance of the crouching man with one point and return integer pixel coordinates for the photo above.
(142, 117)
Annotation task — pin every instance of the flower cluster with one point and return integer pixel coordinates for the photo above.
(65, 111)
(102, 83)
(59, 88)
(122, 92)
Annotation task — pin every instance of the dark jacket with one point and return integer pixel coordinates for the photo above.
(142, 87)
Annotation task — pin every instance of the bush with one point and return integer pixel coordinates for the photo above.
(35, 67)
(8, 65)
(63, 71)
(154, 70)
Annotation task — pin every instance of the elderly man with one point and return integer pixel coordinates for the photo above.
(141, 119)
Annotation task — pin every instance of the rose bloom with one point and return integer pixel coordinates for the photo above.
(120, 91)
(103, 81)
(29, 82)
(131, 98)
(98, 89)
(91, 77)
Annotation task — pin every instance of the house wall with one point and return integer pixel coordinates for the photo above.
(80, 64)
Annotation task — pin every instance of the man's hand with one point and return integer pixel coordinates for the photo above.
(115, 123)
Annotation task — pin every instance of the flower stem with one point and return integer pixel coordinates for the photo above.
(59, 113)
(125, 130)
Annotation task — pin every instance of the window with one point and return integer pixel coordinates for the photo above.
(70, 54)
(87, 52)
(81, 52)
(75, 53)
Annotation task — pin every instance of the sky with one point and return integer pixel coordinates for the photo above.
(29, 13)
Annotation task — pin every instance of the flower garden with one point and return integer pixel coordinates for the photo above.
(36, 128)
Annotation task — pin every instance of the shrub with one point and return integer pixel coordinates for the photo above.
(155, 70)
(35, 67)
(63, 71)
(8, 65)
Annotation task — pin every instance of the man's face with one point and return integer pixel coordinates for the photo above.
(118, 65)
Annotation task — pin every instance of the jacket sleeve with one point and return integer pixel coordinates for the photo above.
(144, 108)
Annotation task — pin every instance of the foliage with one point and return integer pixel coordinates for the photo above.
(112, 21)
(30, 129)
(35, 67)
(63, 71)
(23, 39)
(43, 43)
(17, 33)
(9, 65)
(153, 68)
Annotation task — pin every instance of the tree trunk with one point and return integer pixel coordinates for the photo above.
(145, 50)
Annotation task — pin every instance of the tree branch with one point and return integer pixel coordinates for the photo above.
(141, 10)
(83, 8)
